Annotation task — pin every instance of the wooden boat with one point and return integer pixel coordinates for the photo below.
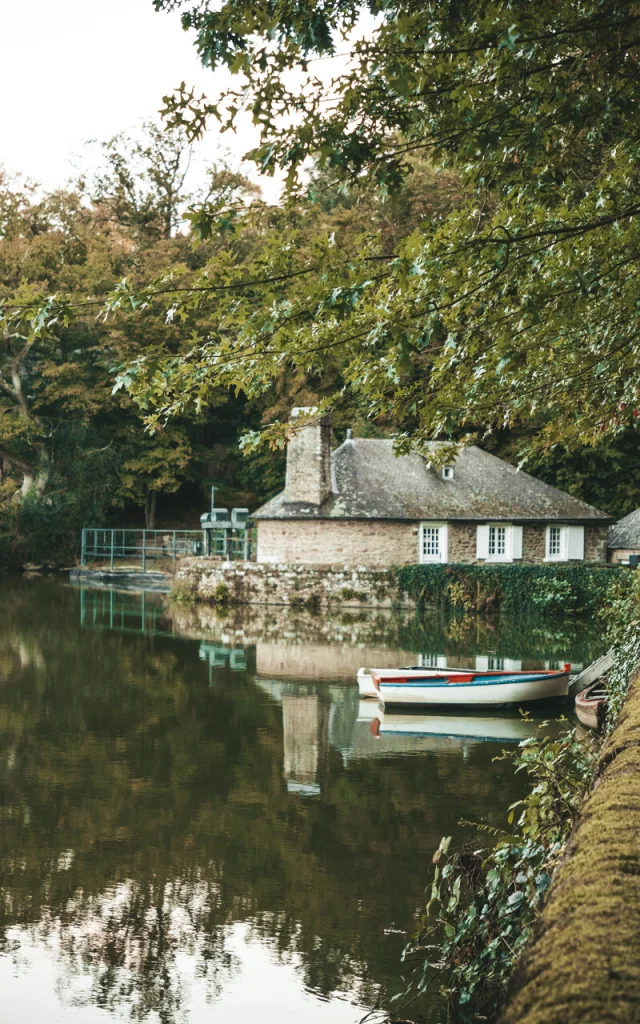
(591, 705)
(382, 684)
(454, 686)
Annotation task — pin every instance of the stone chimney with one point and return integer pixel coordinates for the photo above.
(309, 461)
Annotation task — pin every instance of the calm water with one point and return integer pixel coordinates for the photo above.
(197, 821)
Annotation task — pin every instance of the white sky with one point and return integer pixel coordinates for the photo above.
(74, 70)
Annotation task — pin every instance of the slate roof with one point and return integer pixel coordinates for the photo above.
(370, 482)
(626, 533)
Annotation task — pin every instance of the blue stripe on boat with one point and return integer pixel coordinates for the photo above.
(478, 681)
(386, 734)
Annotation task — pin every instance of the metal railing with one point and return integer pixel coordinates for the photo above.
(144, 546)
(147, 547)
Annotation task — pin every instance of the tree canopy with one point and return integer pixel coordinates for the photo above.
(71, 452)
(455, 256)
(519, 304)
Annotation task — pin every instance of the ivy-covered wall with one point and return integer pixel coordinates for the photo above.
(517, 589)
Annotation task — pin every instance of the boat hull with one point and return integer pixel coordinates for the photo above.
(367, 688)
(481, 691)
(371, 680)
(591, 705)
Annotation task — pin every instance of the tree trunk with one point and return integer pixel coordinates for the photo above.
(28, 471)
(28, 482)
(150, 510)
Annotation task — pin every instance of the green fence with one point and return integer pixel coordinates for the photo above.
(143, 546)
(142, 549)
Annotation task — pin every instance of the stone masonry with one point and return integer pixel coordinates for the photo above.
(370, 542)
(297, 585)
(308, 477)
(375, 542)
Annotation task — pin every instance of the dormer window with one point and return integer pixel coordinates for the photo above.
(447, 472)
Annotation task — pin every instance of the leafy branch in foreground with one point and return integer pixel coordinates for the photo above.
(484, 902)
(521, 304)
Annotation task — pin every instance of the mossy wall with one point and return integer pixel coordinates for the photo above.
(518, 589)
(584, 964)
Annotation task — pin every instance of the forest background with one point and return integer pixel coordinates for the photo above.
(122, 246)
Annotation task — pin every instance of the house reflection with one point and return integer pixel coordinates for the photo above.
(305, 721)
(318, 719)
(304, 647)
(308, 666)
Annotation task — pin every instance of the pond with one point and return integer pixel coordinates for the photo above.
(198, 820)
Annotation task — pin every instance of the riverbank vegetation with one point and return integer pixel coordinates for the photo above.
(484, 903)
(487, 900)
(518, 590)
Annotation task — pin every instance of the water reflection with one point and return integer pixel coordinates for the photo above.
(183, 827)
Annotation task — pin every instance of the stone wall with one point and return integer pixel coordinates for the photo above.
(595, 543)
(356, 542)
(297, 585)
(380, 542)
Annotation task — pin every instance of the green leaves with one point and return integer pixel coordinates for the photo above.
(521, 590)
(485, 902)
(533, 277)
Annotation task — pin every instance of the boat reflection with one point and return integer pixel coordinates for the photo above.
(494, 728)
(318, 719)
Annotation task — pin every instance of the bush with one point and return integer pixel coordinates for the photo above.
(623, 636)
(484, 902)
(548, 590)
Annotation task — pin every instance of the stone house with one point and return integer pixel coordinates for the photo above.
(624, 538)
(360, 505)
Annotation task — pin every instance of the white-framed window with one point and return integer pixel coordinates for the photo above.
(564, 543)
(499, 542)
(554, 545)
(433, 538)
(447, 472)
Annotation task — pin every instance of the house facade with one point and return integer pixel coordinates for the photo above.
(360, 505)
(624, 539)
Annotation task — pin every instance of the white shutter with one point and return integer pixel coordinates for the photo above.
(482, 541)
(516, 542)
(444, 543)
(575, 542)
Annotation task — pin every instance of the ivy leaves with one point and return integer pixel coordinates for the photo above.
(484, 902)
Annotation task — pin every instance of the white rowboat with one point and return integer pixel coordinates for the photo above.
(415, 687)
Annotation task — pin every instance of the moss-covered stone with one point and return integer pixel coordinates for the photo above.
(584, 964)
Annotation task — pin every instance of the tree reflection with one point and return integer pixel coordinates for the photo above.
(150, 801)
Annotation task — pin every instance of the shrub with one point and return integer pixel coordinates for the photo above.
(484, 902)
(549, 590)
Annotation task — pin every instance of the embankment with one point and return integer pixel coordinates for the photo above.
(583, 965)
(301, 586)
